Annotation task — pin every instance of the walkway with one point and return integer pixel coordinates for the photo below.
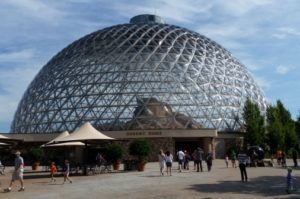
(221, 182)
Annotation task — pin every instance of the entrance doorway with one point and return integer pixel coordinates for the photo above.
(188, 145)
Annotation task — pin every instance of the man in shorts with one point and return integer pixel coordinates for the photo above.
(180, 157)
(18, 172)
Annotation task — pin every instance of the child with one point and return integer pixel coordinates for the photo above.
(53, 170)
(289, 181)
(226, 160)
(67, 171)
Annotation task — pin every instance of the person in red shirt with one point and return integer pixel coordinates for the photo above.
(53, 170)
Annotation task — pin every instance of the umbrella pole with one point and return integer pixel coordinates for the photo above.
(85, 159)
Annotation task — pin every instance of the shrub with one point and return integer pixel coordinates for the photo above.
(36, 154)
(114, 153)
(140, 148)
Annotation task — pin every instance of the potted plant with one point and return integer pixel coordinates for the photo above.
(114, 154)
(36, 154)
(141, 149)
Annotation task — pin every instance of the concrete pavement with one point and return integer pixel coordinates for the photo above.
(221, 182)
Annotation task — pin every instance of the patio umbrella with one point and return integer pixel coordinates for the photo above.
(86, 134)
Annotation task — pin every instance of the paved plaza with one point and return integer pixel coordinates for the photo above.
(221, 182)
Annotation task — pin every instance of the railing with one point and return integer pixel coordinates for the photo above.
(105, 167)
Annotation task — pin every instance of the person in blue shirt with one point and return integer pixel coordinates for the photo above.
(289, 181)
(66, 170)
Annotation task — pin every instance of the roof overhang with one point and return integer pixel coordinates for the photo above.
(174, 133)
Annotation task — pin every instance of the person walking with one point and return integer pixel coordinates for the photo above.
(295, 156)
(169, 161)
(66, 170)
(187, 159)
(198, 154)
(162, 161)
(18, 172)
(289, 181)
(243, 159)
(53, 170)
(283, 160)
(226, 161)
(279, 156)
(180, 156)
(233, 158)
(209, 159)
(2, 167)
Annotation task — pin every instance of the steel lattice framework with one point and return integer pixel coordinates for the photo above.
(100, 77)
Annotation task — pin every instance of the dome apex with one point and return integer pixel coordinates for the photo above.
(147, 19)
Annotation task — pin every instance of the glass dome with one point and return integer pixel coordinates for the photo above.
(138, 76)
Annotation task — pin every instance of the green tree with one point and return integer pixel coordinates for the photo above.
(254, 124)
(297, 126)
(275, 135)
(281, 127)
(288, 125)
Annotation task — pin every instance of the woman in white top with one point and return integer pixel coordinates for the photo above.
(161, 161)
(169, 160)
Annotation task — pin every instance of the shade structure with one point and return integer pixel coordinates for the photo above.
(62, 135)
(53, 143)
(85, 133)
(7, 139)
(3, 138)
(64, 144)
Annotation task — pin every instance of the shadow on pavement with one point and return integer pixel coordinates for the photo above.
(261, 186)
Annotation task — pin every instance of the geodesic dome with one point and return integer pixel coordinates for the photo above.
(141, 75)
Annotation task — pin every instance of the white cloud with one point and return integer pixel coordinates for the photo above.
(35, 9)
(241, 7)
(176, 10)
(282, 70)
(13, 83)
(285, 32)
(279, 36)
(289, 30)
(17, 56)
(263, 83)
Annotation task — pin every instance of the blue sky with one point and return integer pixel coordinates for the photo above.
(263, 34)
